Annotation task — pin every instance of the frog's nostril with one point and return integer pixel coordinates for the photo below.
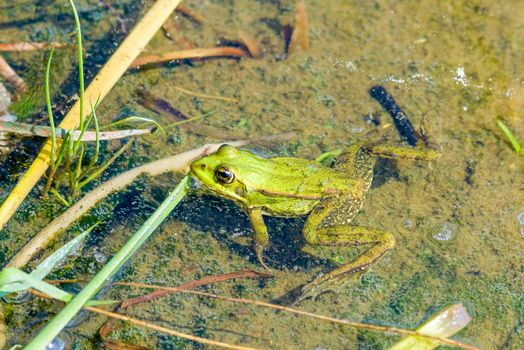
(203, 166)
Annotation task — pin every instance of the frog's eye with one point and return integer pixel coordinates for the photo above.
(224, 175)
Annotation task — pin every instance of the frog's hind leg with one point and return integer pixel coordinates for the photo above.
(357, 162)
(402, 152)
(328, 225)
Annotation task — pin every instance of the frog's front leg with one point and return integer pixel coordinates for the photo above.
(260, 237)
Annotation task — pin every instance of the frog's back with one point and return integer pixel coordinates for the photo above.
(294, 186)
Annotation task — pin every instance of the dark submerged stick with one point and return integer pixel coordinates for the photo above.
(402, 123)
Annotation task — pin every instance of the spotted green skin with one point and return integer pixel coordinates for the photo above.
(331, 197)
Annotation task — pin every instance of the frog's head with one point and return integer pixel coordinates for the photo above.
(219, 172)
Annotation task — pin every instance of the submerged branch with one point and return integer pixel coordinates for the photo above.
(10, 75)
(30, 46)
(225, 51)
(46, 131)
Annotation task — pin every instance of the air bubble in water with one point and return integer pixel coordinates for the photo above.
(444, 232)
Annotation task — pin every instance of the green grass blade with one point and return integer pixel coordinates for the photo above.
(45, 267)
(51, 330)
(329, 154)
(50, 109)
(512, 139)
(80, 63)
(101, 169)
(134, 119)
(15, 280)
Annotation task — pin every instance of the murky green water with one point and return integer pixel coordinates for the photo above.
(453, 66)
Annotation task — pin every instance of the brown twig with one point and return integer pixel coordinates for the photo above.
(251, 44)
(30, 46)
(164, 108)
(172, 32)
(116, 345)
(166, 330)
(192, 14)
(225, 51)
(10, 75)
(108, 326)
(300, 36)
(191, 93)
(193, 284)
(248, 41)
(154, 327)
(359, 325)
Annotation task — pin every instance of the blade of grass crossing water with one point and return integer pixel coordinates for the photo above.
(48, 333)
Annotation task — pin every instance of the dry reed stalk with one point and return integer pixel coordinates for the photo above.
(30, 46)
(87, 136)
(189, 12)
(10, 75)
(97, 90)
(300, 36)
(225, 51)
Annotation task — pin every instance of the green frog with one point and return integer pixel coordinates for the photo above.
(288, 187)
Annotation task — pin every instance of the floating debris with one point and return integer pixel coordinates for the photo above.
(444, 232)
(300, 37)
(444, 323)
(5, 102)
(30, 46)
(10, 75)
(520, 221)
(402, 123)
(226, 51)
(164, 108)
(5, 99)
(251, 44)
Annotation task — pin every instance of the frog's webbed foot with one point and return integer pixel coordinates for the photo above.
(321, 285)
(261, 238)
(259, 252)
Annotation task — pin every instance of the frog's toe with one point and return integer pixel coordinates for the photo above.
(322, 285)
